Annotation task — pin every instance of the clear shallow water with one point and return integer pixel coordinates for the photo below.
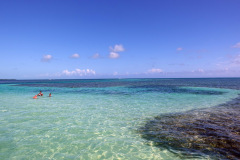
(95, 119)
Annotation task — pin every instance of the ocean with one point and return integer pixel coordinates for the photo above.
(120, 119)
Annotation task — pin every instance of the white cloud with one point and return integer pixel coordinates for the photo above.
(179, 49)
(47, 58)
(155, 70)
(96, 56)
(236, 45)
(113, 55)
(75, 55)
(198, 71)
(117, 48)
(78, 72)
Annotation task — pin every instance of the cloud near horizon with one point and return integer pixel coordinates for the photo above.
(155, 70)
(198, 71)
(47, 58)
(78, 72)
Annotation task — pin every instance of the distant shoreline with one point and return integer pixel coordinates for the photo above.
(7, 79)
(126, 78)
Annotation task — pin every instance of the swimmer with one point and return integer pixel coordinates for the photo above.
(40, 93)
(50, 94)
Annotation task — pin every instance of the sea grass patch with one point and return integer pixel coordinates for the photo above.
(213, 132)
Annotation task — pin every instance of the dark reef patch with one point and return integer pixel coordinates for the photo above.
(145, 89)
(213, 132)
(176, 89)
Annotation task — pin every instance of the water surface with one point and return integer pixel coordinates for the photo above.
(98, 119)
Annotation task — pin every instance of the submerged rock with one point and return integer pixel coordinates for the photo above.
(213, 132)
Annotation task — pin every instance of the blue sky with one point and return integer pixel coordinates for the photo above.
(46, 39)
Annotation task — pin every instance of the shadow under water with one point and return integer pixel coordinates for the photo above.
(211, 132)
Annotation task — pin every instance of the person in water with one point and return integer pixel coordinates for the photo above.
(50, 94)
(40, 93)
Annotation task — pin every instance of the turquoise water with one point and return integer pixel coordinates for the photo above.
(92, 119)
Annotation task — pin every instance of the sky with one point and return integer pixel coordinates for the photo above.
(64, 39)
